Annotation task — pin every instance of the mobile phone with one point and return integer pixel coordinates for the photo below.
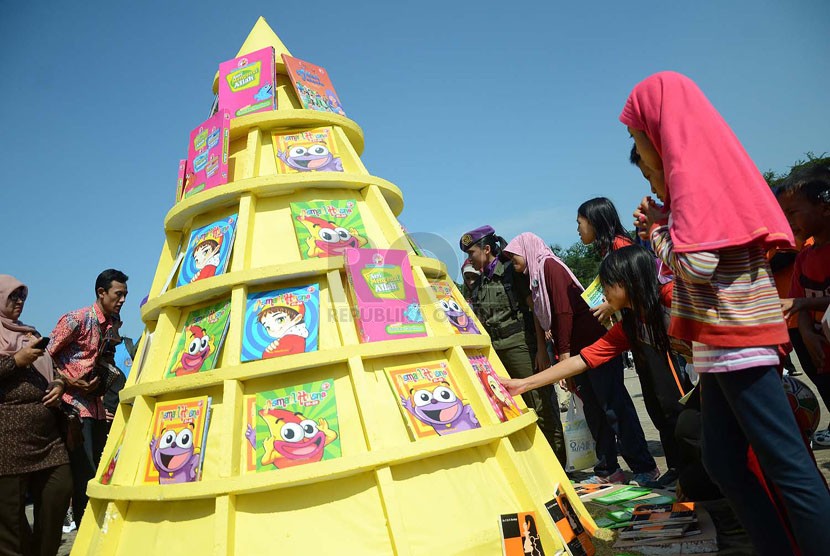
(41, 343)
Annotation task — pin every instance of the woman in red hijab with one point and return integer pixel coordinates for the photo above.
(717, 220)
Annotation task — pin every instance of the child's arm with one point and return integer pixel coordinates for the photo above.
(812, 340)
(698, 267)
(562, 370)
(795, 305)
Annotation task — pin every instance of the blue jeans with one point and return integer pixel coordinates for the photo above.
(612, 419)
(749, 408)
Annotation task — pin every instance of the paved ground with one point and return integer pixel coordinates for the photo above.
(736, 544)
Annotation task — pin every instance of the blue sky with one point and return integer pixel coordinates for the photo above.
(499, 113)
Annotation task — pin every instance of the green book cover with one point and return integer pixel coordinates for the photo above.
(328, 228)
(291, 426)
(622, 495)
(200, 340)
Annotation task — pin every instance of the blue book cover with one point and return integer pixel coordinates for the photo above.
(281, 322)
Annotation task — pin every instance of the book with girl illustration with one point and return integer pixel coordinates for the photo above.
(291, 426)
(178, 432)
(200, 340)
(281, 322)
(208, 251)
(502, 402)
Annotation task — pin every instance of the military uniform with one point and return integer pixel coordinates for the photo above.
(509, 322)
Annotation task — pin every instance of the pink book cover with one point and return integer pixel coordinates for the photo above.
(384, 294)
(207, 154)
(313, 86)
(246, 83)
(180, 180)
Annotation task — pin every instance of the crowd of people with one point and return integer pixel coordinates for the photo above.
(692, 289)
(56, 409)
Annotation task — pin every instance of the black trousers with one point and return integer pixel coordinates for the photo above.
(50, 489)
(84, 461)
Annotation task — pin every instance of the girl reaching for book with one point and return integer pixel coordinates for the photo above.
(629, 280)
(717, 220)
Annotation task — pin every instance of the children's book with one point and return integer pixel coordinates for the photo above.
(247, 83)
(655, 514)
(291, 426)
(200, 340)
(281, 322)
(593, 294)
(412, 243)
(570, 528)
(384, 294)
(328, 228)
(112, 462)
(453, 308)
(520, 535)
(651, 499)
(178, 432)
(145, 341)
(313, 86)
(622, 495)
(503, 403)
(176, 264)
(207, 154)
(313, 150)
(586, 491)
(180, 181)
(430, 400)
(208, 251)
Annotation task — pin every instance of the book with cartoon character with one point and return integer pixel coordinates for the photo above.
(178, 432)
(207, 154)
(520, 535)
(291, 426)
(503, 403)
(327, 228)
(247, 83)
(430, 400)
(200, 340)
(384, 295)
(313, 86)
(281, 322)
(313, 150)
(181, 179)
(461, 321)
(208, 251)
(112, 462)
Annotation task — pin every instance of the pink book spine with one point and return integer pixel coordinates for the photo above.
(207, 157)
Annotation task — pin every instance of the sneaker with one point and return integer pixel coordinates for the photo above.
(68, 528)
(641, 479)
(617, 477)
(822, 438)
(666, 480)
(69, 521)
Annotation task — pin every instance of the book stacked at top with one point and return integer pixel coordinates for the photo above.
(661, 521)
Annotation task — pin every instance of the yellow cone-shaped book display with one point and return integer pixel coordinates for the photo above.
(378, 476)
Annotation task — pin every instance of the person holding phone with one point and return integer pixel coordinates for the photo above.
(78, 339)
(33, 457)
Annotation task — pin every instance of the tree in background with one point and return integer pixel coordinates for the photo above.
(582, 260)
(774, 179)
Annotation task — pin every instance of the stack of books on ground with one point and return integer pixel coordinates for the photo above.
(673, 528)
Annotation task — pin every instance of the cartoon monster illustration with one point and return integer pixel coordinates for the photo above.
(327, 239)
(286, 324)
(206, 254)
(440, 408)
(294, 440)
(199, 347)
(265, 92)
(315, 157)
(413, 313)
(457, 317)
(174, 455)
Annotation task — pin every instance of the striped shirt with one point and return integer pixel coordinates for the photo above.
(710, 359)
(723, 298)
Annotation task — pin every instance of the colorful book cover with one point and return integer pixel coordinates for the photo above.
(452, 308)
(593, 294)
(585, 491)
(281, 322)
(291, 426)
(412, 243)
(570, 528)
(384, 293)
(180, 180)
(247, 83)
(503, 403)
(622, 495)
(313, 150)
(651, 499)
(177, 441)
(200, 341)
(328, 228)
(313, 86)
(520, 535)
(112, 462)
(430, 400)
(655, 514)
(208, 251)
(207, 154)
